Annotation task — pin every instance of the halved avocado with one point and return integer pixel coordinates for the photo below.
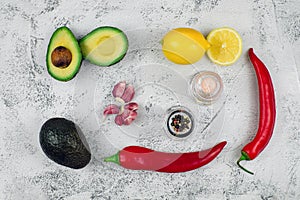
(104, 46)
(63, 55)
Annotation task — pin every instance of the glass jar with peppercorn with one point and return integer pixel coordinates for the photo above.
(179, 122)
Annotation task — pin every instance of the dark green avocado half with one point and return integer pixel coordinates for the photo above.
(63, 142)
(63, 55)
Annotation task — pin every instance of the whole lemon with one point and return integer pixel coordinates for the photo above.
(184, 45)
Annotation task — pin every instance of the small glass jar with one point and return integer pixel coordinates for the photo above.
(179, 122)
(206, 87)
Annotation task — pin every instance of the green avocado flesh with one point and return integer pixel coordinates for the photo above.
(63, 142)
(63, 55)
(104, 46)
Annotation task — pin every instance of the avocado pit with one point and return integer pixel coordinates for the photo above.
(61, 57)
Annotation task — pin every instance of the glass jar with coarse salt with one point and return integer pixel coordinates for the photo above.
(206, 87)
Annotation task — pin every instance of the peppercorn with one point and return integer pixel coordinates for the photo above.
(180, 123)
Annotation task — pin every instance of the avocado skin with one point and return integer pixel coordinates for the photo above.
(61, 141)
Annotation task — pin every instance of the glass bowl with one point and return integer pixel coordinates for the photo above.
(179, 122)
(206, 87)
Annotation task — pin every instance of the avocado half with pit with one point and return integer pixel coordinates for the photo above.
(63, 55)
(104, 46)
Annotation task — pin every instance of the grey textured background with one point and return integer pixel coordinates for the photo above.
(29, 96)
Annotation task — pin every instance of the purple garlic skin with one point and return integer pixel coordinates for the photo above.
(111, 109)
(128, 94)
(131, 106)
(119, 120)
(126, 113)
(119, 89)
(128, 116)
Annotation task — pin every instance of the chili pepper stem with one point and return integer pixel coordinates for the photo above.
(244, 156)
(114, 158)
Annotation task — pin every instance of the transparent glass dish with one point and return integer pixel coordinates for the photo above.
(179, 122)
(206, 87)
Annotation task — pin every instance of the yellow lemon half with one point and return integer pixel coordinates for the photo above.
(226, 46)
(184, 45)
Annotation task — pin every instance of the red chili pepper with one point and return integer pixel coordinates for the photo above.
(141, 158)
(267, 112)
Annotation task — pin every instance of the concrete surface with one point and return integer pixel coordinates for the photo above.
(29, 96)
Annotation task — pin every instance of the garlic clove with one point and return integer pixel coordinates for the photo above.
(128, 116)
(119, 89)
(119, 120)
(131, 106)
(128, 94)
(111, 109)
